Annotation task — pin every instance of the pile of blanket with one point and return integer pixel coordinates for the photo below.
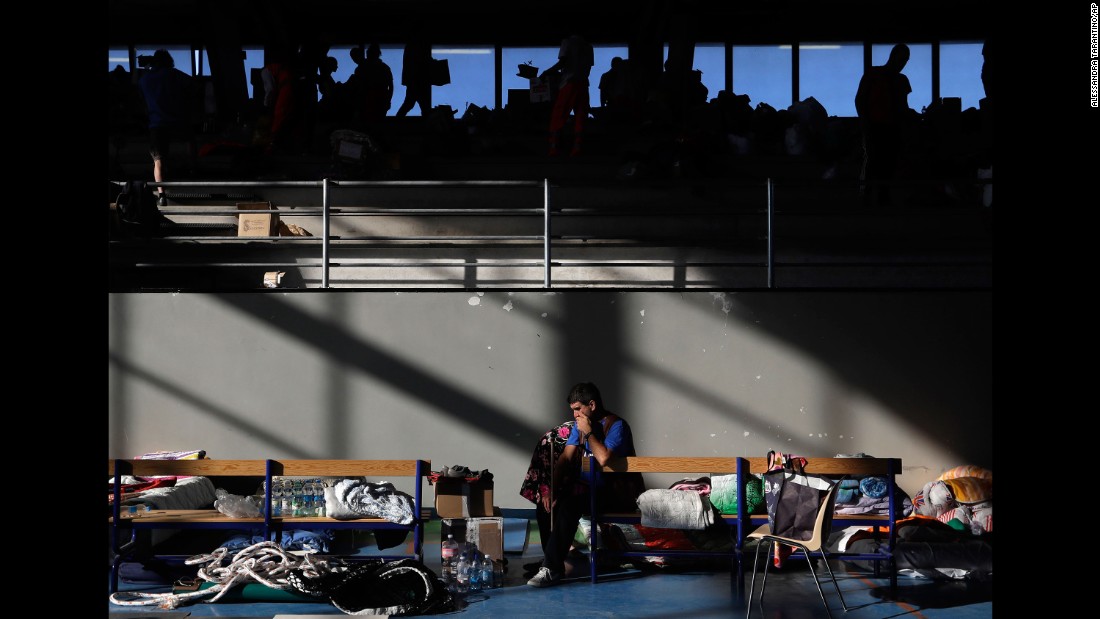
(962, 498)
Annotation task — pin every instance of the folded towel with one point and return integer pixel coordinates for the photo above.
(874, 486)
(675, 509)
(846, 495)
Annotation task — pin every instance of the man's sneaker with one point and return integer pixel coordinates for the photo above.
(545, 578)
(163, 200)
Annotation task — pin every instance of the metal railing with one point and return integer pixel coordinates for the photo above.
(548, 213)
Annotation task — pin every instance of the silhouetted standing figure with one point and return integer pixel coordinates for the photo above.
(575, 60)
(280, 99)
(167, 93)
(416, 77)
(372, 84)
(615, 92)
(882, 103)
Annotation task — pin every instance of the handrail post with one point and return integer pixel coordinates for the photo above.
(771, 223)
(545, 233)
(324, 232)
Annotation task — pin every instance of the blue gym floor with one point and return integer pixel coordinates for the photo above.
(645, 594)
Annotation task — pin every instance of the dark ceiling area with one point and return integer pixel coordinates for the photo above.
(540, 22)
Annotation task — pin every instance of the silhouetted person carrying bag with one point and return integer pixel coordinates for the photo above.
(416, 66)
(882, 103)
(575, 60)
(167, 93)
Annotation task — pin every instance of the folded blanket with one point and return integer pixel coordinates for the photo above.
(723, 493)
(354, 498)
(865, 505)
(675, 509)
(874, 486)
(185, 493)
(294, 539)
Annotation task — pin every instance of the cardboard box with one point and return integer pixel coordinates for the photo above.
(256, 224)
(273, 279)
(457, 498)
(485, 533)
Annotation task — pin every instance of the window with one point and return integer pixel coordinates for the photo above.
(253, 59)
(764, 74)
(710, 58)
(472, 79)
(830, 73)
(202, 62)
(118, 56)
(961, 72)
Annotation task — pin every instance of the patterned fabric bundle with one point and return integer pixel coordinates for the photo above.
(723, 494)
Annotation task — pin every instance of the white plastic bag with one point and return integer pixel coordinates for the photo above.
(236, 506)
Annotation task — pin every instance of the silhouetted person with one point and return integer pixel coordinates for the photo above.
(127, 110)
(280, 100)
(882, 103)
(416, 77)
(167, 93)
(326, 84)
(616, 97)
(612, 83)
(306, 71)
(372, 85)
(575, 60)
(334, 106)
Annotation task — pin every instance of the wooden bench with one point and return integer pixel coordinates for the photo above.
(654, 464)
(741, 523)
(271, 526)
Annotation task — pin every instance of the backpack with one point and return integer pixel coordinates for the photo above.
(138, 209)
(403, 587)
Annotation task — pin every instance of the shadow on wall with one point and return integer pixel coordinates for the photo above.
(941, 381)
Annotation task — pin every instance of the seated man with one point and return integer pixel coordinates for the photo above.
(597, 432)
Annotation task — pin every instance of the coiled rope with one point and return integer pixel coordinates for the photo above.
(266, 563)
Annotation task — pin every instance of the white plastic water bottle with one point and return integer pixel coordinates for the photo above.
(462, 575)
(475, 573)
(276, 494)
(296, 498)
(288, 498)
(487, 580)
(319, 497)
(498, 573)
(307, 498)
(449, 560)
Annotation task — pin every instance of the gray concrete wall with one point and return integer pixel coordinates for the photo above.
(476, 378)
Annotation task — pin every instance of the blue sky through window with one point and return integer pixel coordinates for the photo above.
(828, 72)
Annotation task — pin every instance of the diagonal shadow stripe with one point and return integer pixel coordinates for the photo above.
(188, 396)
(345, 348)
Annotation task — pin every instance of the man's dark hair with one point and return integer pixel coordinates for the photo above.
(585, 392)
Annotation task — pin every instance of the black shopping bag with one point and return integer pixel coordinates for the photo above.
(794, 499)
(440, 72)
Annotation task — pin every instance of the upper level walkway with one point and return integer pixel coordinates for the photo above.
(454, 205)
